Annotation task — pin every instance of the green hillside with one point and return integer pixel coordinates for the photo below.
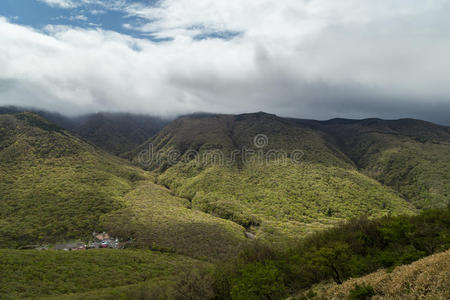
(35, 274)
(56, 187)
(276, 196)
(117, 133)
(411, 156)
(153, 218)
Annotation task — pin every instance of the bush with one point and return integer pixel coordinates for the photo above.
(353, 249)
(196, 284)
(258, 281)
(361, 292)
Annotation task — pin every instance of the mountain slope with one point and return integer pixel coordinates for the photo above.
(54, 185)
(117, 133)
(428, 278)
(39, 274)
(290, 180)
(153, 218)
(411, 156)
(57, 187)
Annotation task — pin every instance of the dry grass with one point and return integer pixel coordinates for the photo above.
(428, 278)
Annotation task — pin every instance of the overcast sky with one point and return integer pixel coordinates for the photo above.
(301, 58)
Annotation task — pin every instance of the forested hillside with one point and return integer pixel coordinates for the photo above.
(56, 187)
(411, 156)
(308, 184)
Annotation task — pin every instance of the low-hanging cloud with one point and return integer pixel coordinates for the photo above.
(313, 59)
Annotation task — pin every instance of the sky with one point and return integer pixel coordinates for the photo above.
(317, 59)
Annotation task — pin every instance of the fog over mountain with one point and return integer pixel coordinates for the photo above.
(310, 59)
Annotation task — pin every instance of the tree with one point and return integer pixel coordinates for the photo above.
(334, 260)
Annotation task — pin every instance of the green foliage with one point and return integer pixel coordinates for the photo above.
(117, 133)
(361, 292)
(30, 273)
(195, 284)
(274, 198)
(358, 247)
(332, 259)
(411, 156)
(258, 281)
(152, 218)
(36, 121)
(54, 186)
(284, 200)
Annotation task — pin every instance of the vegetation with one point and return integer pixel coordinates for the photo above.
(427, 278)
(153, 218)
(361, 292)
(356, 248)
(366, 195)
(116, 133)
(409, 155)
(273, 198)
(261, 271)
(33, 274)
(54, 186)
(283, 200)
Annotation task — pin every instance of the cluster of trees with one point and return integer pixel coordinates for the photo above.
(356, 248)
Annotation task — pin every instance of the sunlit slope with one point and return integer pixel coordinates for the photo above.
(278, 195)
(428, 278)
(56, 187)
(153, 218)
(411, 156)
(53, 185)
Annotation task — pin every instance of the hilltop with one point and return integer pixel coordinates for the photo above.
(116, 133)
(305, 181)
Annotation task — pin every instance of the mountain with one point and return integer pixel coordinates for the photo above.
(57, 187)
(411, 156)
(116, 133)
(205, 194)
(274, 176)
(54, 185)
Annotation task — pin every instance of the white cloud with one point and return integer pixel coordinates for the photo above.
(78, 18)
(307, 58)
(60, 3)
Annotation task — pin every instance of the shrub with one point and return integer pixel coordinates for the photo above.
(361, 292)
(258, 281)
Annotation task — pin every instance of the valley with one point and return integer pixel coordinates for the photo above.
(197, 214)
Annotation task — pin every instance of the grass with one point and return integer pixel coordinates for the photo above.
(34, 274)
(260, 271)
(428, 278)
(350, 250)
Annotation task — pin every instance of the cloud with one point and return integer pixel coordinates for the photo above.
(78, 18)
(312, 59)
(60, 3)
